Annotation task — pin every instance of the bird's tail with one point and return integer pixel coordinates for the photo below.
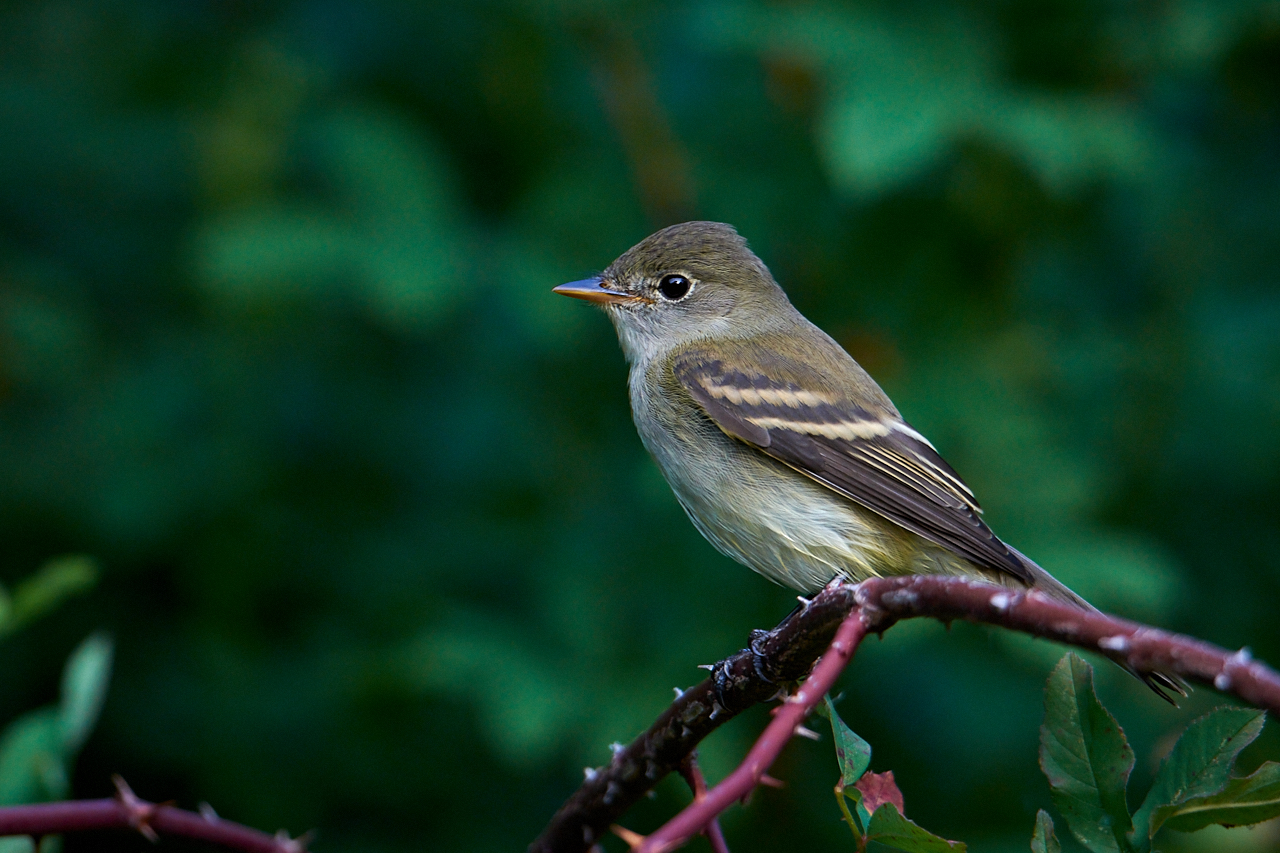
(1166, 685)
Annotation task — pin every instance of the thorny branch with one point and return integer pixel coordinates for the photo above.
(126, 811)
(692, 774)
(787, 652)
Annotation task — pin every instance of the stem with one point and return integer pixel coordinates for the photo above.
(125, 811)
(780, 730)
(784, 654)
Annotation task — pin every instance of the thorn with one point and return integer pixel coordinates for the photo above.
(1000, 601)
(1242, 657)
(285, 844)
(611, 792)
(616, 748)
(804, 602)
(633, 839)
(709, 667)
(1222, 681)
(1118, 643)
(769, 781)
(804, 732)
(679, 692)
(590, 773)
(207, 812)
(138, 812)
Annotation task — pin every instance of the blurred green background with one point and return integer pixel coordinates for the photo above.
(380, 551)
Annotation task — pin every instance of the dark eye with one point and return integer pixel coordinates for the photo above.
(675, 287)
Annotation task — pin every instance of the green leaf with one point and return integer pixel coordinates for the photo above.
(17, 844)
(891, 829)
(1043, 838)
(1252, 799)
(55, 581)
(84, 688)
(1199, 764)
(852, 752)
(1087, 759)
(37, 748)
(31, 759)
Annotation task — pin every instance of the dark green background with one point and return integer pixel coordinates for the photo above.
(381, 552)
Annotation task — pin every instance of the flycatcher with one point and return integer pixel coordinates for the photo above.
(784, 452)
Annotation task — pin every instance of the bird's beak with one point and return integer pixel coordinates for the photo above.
(593, 290)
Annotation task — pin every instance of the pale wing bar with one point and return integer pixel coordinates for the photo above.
(884, 466)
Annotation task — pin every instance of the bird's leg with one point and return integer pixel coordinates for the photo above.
(721, 673)
(758, 657)
(721, 677)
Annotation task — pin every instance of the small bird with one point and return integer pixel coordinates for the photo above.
(784, 452)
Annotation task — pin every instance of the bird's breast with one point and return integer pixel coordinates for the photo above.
(752, 507)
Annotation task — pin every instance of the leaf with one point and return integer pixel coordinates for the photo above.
(36, 749)
(1084, 754)
(57, 579)
(890, 828)
(17, 844)
(1043, 838)
(1199, 764)
(84, 688)
(878, 789)
(852, 752)
(1252, 799)
(31, 759)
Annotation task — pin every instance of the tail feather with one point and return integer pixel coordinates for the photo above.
(1167, 685)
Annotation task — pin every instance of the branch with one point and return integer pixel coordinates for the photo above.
(784, 655)
(787, 653)
(788, 718)
(692, 774)
(126, 811)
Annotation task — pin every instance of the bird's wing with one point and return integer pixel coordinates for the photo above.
(879, 462)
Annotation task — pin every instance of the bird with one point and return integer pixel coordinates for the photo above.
(783, 451)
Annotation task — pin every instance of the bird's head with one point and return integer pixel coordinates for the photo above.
(687, 282)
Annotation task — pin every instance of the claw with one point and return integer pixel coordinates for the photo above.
(720, 681)
(759, 658)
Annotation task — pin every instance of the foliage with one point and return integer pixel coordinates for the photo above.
(277, 348)
(1087, 759)
(877, 803)
(38, 750)
(1043, 838)
(56, 580)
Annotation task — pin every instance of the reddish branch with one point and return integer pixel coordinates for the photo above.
(127, 811)
(692, 774)
(788, 718)
(871, 607)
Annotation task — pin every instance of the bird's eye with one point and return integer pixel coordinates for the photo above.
(674, 287)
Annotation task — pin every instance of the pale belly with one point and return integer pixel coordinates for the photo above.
(778, 522)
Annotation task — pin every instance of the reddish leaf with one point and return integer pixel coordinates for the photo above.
(879, 788)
